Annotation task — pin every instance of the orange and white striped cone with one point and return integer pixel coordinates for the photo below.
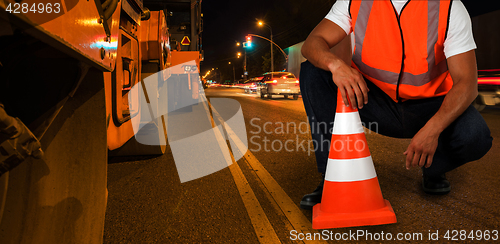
(351, 193)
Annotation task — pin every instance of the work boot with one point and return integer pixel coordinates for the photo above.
(309, 200)
(436, 185)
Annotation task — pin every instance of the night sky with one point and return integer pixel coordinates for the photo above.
(229, 21)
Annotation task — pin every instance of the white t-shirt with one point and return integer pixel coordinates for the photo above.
(458, 40)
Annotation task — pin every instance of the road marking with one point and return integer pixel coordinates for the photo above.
(263, 228)
(269, 196)
(294, 215)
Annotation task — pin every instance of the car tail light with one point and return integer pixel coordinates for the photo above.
(488, 80)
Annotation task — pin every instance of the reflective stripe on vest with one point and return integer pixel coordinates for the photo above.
(433, 70)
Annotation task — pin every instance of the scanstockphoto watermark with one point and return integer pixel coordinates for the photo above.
(429, 235)
(359, 235)
(294, 137)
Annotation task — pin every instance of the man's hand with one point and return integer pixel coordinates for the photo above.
(328, 47)
(422, 148)
(350, 81)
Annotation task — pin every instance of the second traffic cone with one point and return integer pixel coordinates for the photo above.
(351, 193)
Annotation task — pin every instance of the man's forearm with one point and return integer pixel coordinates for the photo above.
(317, 46)
(316, 50)
(455, 103)
(464, 74)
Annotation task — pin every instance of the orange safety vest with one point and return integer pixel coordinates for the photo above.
(403, 55)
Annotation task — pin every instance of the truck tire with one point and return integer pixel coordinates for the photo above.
(150, 129)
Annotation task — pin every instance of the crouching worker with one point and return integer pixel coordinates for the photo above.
(413, 73)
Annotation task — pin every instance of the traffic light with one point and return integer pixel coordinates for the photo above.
(248, 43)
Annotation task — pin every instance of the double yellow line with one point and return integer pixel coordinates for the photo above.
(279, 199)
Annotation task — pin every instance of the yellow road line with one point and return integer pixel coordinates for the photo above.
(263, 228)
(292, 212)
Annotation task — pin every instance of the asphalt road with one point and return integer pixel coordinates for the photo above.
(256, 199)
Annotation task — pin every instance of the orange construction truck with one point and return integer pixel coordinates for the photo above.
(67, 99)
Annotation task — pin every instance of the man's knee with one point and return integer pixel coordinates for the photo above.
(474, 139)
(310, 72)
(314, 78)
(307, 72)
(306, 67)
(479, 143)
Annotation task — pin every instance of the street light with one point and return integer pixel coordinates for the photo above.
(234, 77)
(270, 29)
(215, 74)
(244, 62)
(205, 76)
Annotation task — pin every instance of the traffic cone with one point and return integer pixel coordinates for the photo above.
(351, 193)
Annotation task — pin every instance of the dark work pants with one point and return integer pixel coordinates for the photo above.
(466, 139)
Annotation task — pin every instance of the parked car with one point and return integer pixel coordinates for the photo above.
(279, 83)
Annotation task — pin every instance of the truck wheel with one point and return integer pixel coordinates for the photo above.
(150, 129)
(295, 97)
